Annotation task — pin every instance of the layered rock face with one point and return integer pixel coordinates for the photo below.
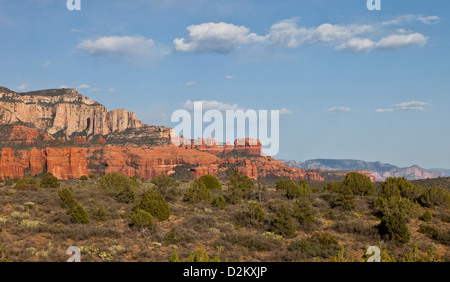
(65, 133)
(63, 112)
(73, 162)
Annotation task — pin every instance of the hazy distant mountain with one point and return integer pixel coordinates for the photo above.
(380, 170)
(443, 170)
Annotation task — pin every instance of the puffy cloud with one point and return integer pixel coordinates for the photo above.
(116, 46)
(394, 42)
(407, 106)
(287, 33)
(219, 38)
(356, 45)
(339, 110)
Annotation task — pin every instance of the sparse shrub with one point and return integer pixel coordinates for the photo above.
(4, 254)
(166, 186)
(283, 223)
(48, 180)
(320, 244)
(359, 184)
(174, 236)
(155, 204)
(201, 256)
(100, 214)
(211, 182)
(84, 177)
(435, 196)
(395, 225)
(92, 176)
(27, 184)
(239, 187)
(198, 192)
(9, 182)
(332, 187)
(427, 216)
(219, 202)
(119, 186)
(78, 214)
(174, 257)
(142, 219)
(256, 242)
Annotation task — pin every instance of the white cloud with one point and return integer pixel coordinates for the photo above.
(190, 83)
(339, 110)
(284, 111)
(401, 20)
(288, 34)
(83, 87)
(394, 42)
(46, 64)
(210, 105)
(356, 45)
(219, 38)
(407, 106)
(111, 90)
(230, 76)
(22, 87)
(116, 46)
(94, 90)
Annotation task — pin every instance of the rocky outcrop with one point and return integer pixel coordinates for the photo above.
(63, 112)
(73, 162)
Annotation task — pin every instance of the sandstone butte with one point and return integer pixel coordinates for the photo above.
(62, 132)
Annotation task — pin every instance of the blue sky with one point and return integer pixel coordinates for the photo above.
(353, 83)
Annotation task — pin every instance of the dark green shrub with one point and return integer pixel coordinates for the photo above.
(198, 192)
(166, 186)
(219, 202)
(100, 214)
(359, 184)
(344, 199)
(320, 244)
(255, 211)
(92, 176)
(427, 217)
(239, 187)
(398, 204)
(211, 182)
(9, 182)
(118, 186)
(395, 225)
(67, 198)
(435, 196)
(283, 224)
(142, 219)
(400, 186)
(126, 196)
(84, 177)
(4, 254)
(78, 214)
(283, 184)
(48, 180)
(154, 204)
(332, 187)
(27, 184)
(303, 211)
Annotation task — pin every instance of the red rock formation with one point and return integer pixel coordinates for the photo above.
(73, 162)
